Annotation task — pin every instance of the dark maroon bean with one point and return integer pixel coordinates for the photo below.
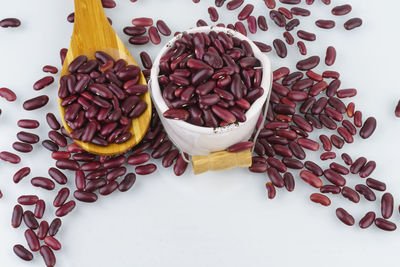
(43, 182)
(30, 220)
(345, 217)
(163, 28)
(127, 182)
(308, 144)
(358, 118)
(334, 177)
(350, 194)
(314, 168)
(298, 11)
(109, 188)
(32, 240)
(385, 224)
(341, 10)
(332, 88)
(10, 157)
(134, 30)
(50, 69)
(52, 121)
(54, 227)
(114, 162)
(270, 190)
(65, 209)
(219, 3)
(352, 23)
(61, 197)
(58, 176)
(347, 159)
(278, 18)
(240, 146)
(139, 40)
(368, 128)
(367, 220)
(66, 164)
(293, 163)
(366, 192)
(325, 24)
(108, 3)
(28, 199)
(23, 253)
(154, 36)
(28, 124)
(28, 137)
(289, 181)
(115, 173)
(346, 93)
(290, 2)
(42, 83)
(349, 127)
(339, 168)
(387, 204)
(292, 24)
(302, 48)
(146, 169)
(337, 141)
(180, 165)
(95, 184)
(308, 63)
(367, 169)
(52, 242)
(262, 23)
(42, 230)
(48, 256)
(258, 167)
(36, 102)
(16, 217)
(169, 158)
(308, 36)
(280, 48)
(87, 197)
(375, 184)
(22, 147)
(246, 12)
(213, 14)
(50, 145)
(328, 155)
(19, 175)
(39, 209)
(234, 4)
(10, 22)
(358, 165)
(330, 56)
(325, 189)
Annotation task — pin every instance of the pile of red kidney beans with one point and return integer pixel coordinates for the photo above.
(302, 101)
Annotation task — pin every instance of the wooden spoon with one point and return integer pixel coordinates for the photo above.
(92, 32)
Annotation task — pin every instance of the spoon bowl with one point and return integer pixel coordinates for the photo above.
(92, 32)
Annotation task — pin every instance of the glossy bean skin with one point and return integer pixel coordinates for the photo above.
(22, 252)
(375, 184)
(367, 220)
(7, 94)
(16, 217)
(387, 205)
(311, 178)
(366, 192)
(350, 194)
(271, 191)
(385, 224)
(345, 217)
(48, 256)
(352, 23)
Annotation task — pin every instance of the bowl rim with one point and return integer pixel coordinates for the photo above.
(266, 82)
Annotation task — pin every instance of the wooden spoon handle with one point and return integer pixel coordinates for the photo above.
(222, 160)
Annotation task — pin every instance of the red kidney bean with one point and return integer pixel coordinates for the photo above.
(16, 217)
(80, 181)
(54, 227)
(275, 177)
(176, 114)
(142, 22)
(325, 189)
(163, 28)
(293, 163)
(330, 56)
(358, 165)
(65, 208)
(375, 184)
(350, 194)
(308, 63)
(48, 256)
(279, 74)
(334, 177)
(52, 242)
(326, 143)
(180, 165)
(234, 4)
(114, 162)
(43, 182)
(308, 144)
(358, 118)
(352, 23)
(337, 141)
(57, 176)
(339, 168)
(61, 197)
(42, 83)
(278, 18)
(36, 102)
(42, 230)
(95, 184)
(154, 36)
(22, 252)
(345, 217)
(258, 167)
(213, 14)
(28, 124)
(127, 182)
(22, 147)
(240, 146)
(61, 155)
(347, 159)
(367, 220)
(288, 37)
(292, 24)
(368, 168)
(285, 12)
(169, 158)
(219, 3)
(345, 134)
(332, 88)
(28, 199)
(328, 155)
(387, 204)
(385, 224)
(366, 192)
(146, 60)
(146, 169)
(115, 173)
(298, 11)
(28, 137)
(139, 40)
(321, 199)
(50, 69)
(50, 145)
(32, 240)
(308, 36)
(66, 164)
(109, 188)
(346, 93)
(39, 209)
(7, 94)
(289, 181)
(270, 190)
(325, 24)
(368, 128)
(349, 127)
(10, 22)
(252, 24)
(30, 220)
(341, 10)
(311, 178)
(313, 167)
(134, 30)
(271, 4)
(239, 26)
(87, 197)
(262, 23)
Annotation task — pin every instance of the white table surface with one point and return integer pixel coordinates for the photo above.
(218, 218)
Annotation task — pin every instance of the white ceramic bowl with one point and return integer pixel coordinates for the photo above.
(198, 140)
